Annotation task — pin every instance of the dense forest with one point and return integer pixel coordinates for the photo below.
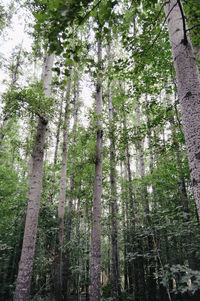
(100, 151)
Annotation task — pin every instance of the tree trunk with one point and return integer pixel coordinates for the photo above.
(58, 133)
(28, 249)
(95, 293)
(72, 175)
(71, 188)
(130, 210)
(188, 82)
(151, 282)
(125, 227)
(115, 275)
(62, 195)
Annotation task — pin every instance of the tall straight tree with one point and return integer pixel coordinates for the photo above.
(115, 277)
(28, 249)
(95, 293)
(62, 192)
(188, 81)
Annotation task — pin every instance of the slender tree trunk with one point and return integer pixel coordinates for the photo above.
(115, 276)
(87, 261)
(28, 249)
(58, 133)
(62, 195)
(151, 283)
(71, 189)
(72, 175)
(95, 293)
(188, 82)
(132, 280)
(125, 227)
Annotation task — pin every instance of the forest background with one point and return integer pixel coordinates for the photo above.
(99, 151)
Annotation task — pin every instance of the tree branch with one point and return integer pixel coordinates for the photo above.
(185, 41)
(161, 28)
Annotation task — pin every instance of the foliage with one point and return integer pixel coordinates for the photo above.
(28, 101)
(186, 279)
(158, 240)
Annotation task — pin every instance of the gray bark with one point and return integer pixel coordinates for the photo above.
(95, 271)
(28, 249)
(188, 81)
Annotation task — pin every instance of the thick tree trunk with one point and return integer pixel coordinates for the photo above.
(188, 82)
(95, 293)
(62, 195)
(182, 189)
(28, 249)
(115, 276)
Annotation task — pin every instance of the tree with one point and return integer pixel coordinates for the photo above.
(30, 233)
(188, 83)
(95, 293)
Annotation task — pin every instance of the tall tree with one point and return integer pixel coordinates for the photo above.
(28, 249)
(95, 293)
(62, 193)
(188, 82)
(115, 269)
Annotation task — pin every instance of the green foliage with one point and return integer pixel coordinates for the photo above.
(187, 280)
(13, 200)
(5, 16)
(192, 10)
(28, 101)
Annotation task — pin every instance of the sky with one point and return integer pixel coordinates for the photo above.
(12, 36)
(16, 35)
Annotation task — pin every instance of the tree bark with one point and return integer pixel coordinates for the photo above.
(95, 272)
(188, 81)
(28, 249)
(62, 195)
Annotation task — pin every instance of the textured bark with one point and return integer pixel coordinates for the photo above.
(62, 194)
(115, 274)
(95, 271)
(28, 249)
(188, 82)
(182, 189)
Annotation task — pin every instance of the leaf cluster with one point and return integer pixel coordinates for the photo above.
(27, 101)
